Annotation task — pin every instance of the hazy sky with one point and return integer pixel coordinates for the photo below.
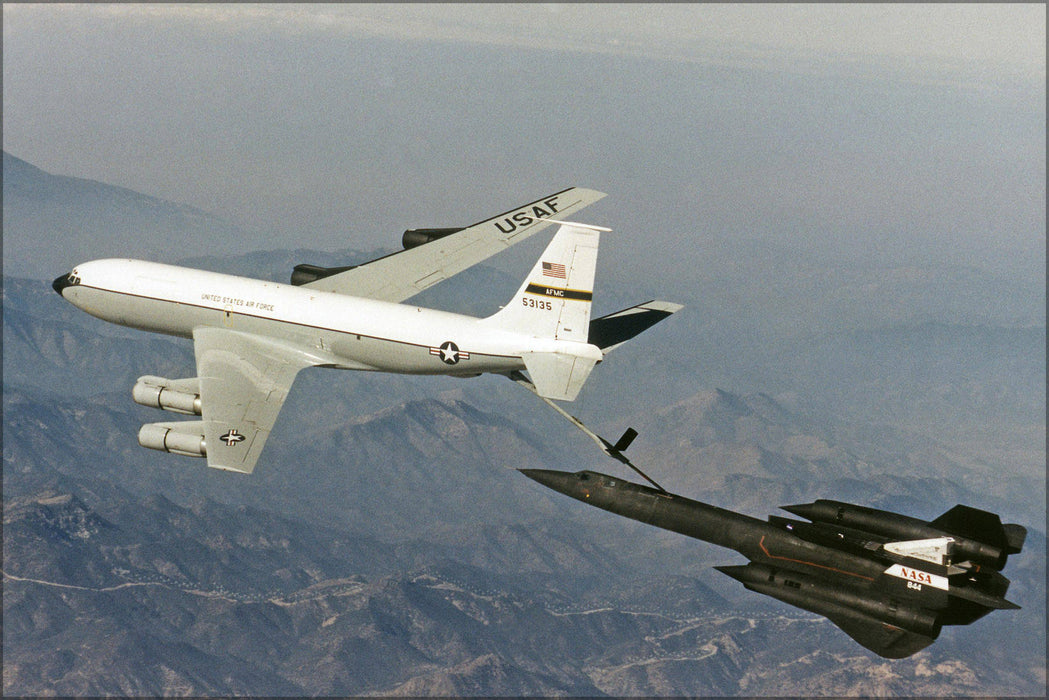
(338, 124)
(1011, 36)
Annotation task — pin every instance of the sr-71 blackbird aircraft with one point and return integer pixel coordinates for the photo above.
(251, 337)
(889, 581)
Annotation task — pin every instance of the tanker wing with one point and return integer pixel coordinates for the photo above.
(434, 255)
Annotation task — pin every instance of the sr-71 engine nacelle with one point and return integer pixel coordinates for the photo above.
(976, 535)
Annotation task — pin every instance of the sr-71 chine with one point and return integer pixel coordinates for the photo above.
(252, 337)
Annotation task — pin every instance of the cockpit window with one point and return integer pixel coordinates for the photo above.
(600, 479)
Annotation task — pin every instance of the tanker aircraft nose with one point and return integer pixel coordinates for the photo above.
(63, 281)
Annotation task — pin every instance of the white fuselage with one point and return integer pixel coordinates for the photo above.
(349, 332)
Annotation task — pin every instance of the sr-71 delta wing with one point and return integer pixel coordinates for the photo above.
(251, 337)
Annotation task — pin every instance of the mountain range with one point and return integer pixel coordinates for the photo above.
(387, 545)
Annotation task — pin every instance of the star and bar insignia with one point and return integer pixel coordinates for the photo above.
(232, 438)
(450, 353)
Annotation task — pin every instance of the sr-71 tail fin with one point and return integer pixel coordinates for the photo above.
(982, 526)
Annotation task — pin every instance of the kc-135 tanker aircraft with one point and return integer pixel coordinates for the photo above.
(889, 581)
(251, 337)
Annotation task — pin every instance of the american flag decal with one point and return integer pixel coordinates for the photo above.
(554, 270)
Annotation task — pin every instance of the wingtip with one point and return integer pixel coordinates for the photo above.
(668, 307)
(576, 224)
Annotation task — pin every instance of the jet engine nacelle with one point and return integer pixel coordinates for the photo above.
(182, 438)
(415, 237)
(850, 609)
(176, 395)
(306, 273)
(978, 536)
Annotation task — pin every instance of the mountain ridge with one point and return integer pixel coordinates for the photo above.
(432, 630)
(95, 220)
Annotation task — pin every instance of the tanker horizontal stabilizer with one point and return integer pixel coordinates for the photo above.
(556, 375)
(611, 331)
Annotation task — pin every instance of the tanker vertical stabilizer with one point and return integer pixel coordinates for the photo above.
(554, 304)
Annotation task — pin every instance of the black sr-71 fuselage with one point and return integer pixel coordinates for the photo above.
(889, 581)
